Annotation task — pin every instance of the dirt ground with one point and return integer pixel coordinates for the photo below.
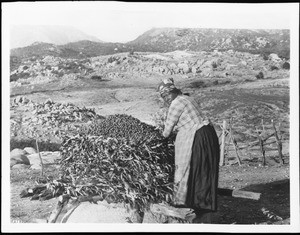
(138, 97)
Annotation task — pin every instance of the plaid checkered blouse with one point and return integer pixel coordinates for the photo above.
(185, 114)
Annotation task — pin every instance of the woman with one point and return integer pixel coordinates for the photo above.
(196, 151)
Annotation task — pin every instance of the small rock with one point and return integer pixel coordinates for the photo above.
(244, 63)
(30, 150)
(20, 166)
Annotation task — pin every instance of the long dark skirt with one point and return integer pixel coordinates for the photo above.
(204, 171)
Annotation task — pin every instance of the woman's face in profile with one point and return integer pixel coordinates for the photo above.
(168, 98)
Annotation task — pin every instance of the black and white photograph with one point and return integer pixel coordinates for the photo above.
(150, 117)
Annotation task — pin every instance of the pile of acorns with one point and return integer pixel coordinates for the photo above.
(122, 126)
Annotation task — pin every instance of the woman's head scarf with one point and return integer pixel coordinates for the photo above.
(166, 86)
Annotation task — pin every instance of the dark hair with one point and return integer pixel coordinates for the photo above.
(176, 91)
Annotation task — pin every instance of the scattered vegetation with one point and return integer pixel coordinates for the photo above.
(286, 65)
(273, 67)
(198, 84)
(96, 77)
(260, 75)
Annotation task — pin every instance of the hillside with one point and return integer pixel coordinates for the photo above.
(262, 42)
(255, 41)
(54, 96)
(57, 91)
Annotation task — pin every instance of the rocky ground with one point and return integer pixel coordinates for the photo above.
(242, 88)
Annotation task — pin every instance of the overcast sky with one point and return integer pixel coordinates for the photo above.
(124, 21)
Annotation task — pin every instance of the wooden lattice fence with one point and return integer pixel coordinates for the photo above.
(265, 137)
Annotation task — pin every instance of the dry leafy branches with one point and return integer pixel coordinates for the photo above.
(120, 159)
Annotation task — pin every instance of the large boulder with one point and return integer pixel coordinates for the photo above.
(103, 212)
(48, 158)
(17, 152)
(18, 156)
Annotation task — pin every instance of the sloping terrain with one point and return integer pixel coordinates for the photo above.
(52, 94)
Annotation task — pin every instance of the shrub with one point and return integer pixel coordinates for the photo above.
(214, 65)
(13, 78)
(112, 59)
(96, 77)
(286, 65)
(260, 75)
(273, 67)
(265, 56)
(197, 84)
(216, 82)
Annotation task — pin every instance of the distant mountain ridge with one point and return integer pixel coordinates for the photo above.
(171, 39)
(25, 35)
(197, 39)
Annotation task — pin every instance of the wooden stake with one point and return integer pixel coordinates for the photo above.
(74, 205)
(261, 145)
(37, 148)
(63, 200)
(221, 163)
(279, 144)
(136, 216)
(235, 145)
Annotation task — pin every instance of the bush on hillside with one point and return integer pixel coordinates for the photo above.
(260, 75)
